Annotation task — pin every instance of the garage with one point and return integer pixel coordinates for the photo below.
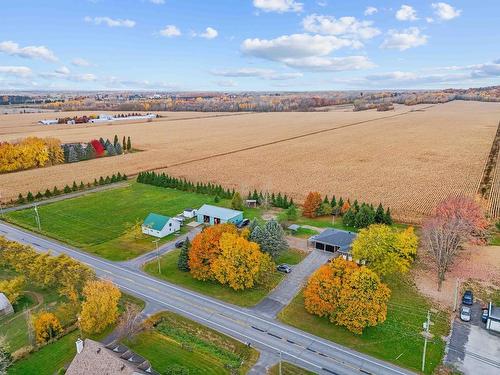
(333, 240)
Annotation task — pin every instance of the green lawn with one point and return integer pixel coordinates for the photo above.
(177, 341)
(397, 340)
(304, 232)
(101, 222)
(288, 369)
(169, 272)
(291, 256)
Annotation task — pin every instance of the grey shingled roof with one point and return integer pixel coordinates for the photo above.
(335, 237)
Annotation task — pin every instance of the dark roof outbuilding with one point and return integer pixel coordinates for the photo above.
(335, 237)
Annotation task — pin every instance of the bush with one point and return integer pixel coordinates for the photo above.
(20, 199)
(30, 197)
(67, 189)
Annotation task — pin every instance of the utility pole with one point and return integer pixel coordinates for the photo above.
(426, 326)
(37, 218)
(158, 255)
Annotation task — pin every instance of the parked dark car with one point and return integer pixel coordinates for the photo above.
(243, 223)
(179, 243)
(468, 298)
(484, 316)
(285, 268)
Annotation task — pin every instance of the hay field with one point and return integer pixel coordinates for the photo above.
(408, 159)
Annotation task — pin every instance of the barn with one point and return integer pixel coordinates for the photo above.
(212, 215)
(160, 226)
(333, 240)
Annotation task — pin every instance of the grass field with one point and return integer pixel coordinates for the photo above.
(101, 222)
(288, 369)
(180, 342)
(397, 340)
(169, 272)
(292, 257)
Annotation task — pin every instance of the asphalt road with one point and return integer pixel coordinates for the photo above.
(264, 333)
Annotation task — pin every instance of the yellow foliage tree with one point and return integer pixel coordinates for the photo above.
(386, 250)
(54, 150)
(100, 305)
(12, 288)
(239, 262)
(47, 327)
(349, 295)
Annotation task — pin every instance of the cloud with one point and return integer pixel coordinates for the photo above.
(268, 74)
(117, 83)
(279, 6)
(110, 22)
(157, 2)
(348, 26)
(63, 70)
(369, 11)
(406, 13)
(209, 33)
(29, 52)
(80, 62)
(19, 71)
(445, 12)
(331, 64)
(226, 83)
(405, 39)
(170, 31)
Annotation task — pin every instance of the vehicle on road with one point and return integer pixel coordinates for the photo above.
(484, 315)
(465, 314)
(285, 268)
(179, 243)
(243, 223)
(468, 298)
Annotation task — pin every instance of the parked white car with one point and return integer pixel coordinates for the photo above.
(465, 313)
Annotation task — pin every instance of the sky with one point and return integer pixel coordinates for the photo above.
(248, 45)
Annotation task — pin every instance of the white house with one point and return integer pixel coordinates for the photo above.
(160, 226)
(189, 213)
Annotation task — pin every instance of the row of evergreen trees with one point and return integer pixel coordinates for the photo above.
(366, 215)
(276, 200)
(75, 152)
(69, 189)
(164, 180)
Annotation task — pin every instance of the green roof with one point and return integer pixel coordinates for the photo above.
(155, 221)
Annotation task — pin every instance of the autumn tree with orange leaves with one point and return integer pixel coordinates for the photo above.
(205, 249)
(312, 204)
(348, 295)
(100, 305)
(240, 262)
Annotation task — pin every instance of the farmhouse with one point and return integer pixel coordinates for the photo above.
(5, 306)
(333, 240)
(160, 226)
(493, 322)
(92, 357)
(218, 215)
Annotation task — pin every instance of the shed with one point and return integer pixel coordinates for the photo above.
(160, 226)
(294, 227)
(189, 213)
(251, 202)
(493, 322)
(333, 240)
(208, 214)
(5, 305)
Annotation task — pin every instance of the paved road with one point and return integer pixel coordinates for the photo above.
(267, 334)
(283, 294)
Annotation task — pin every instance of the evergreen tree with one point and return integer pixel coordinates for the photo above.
(124, 144)
(255, 195)
(101, 141)
(110, 150)
(216, 199)
(38, 196)
(55, 191)
(356, 205)
(107, 180)
(253, 224)
(82, 185)
(48, 193)
(364, 217)
(90, 152)
(333, 203)
(124, 177)
(67, 189)
(30, 197)
(387, 217)
(95, 182)
(72, 155)
(129, 144)
(115, 140)
(20, 199)
(183, 260)
(237, 202)
(326, 200)
(101, 181)
(271, 238)
(379, 214)
(118, 149)
(249, 196)
(74, 187)
(349, 218)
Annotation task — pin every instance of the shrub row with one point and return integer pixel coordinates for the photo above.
(67, 189)
(75, 152)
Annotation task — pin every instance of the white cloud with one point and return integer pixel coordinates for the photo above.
(348, 26)
(279, 6)
(63, 70)
(111, 22)
(429, 19)
(322, 3)
(369, 11)
(170, 31)
(20, 71)
(226, 83)
(331, 64)
(80, 62)
(209, 33)
(157, 2)
(406, 13)
(29, 52)
(404, 39)
(269, 74)
(445, 11)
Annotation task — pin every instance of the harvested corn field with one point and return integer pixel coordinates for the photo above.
(408, 159)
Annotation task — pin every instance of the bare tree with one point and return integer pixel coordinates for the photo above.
(130, 322)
